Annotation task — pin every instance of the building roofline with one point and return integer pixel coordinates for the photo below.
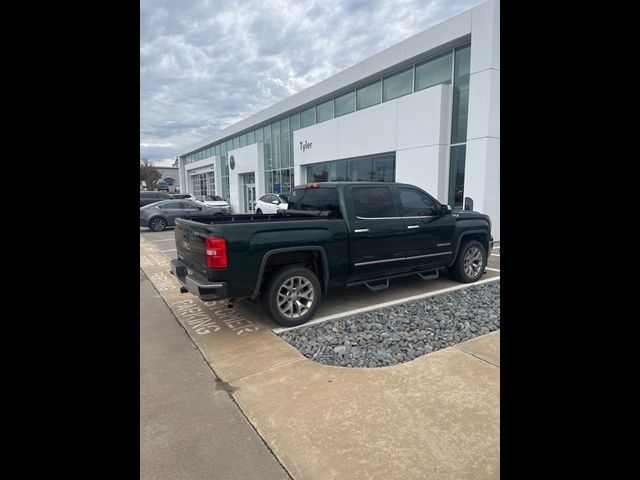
(434, 38)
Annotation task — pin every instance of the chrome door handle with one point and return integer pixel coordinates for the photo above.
(413, 226)
(361, 230)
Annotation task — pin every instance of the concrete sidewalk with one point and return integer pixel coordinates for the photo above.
(189, 427)
(434, 417)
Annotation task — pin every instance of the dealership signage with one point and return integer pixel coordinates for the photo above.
(305, 145)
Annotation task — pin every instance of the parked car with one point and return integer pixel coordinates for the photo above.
(163, 187)
(184, 196)
(151, 197)
(270, 203)
(160, 215)
(212, 200)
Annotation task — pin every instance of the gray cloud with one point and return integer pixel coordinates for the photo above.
(206, 64)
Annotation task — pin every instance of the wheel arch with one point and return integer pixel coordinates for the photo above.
(319, 259)
(480, 235)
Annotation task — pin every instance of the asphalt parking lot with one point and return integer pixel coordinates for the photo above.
(340, 302)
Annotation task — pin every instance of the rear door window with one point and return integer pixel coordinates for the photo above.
(373, 202)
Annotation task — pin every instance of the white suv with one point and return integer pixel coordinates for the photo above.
(212, 201)
(270, 203)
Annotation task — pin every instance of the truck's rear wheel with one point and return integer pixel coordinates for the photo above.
(292, 295)
(471, 262)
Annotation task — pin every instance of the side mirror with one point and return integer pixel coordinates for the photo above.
(446, 209)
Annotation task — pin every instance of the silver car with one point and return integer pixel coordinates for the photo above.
(160, 215)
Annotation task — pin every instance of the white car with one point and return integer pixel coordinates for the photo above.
(270, 203)
(212, 201)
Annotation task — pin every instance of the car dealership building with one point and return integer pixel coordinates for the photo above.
(425, 111)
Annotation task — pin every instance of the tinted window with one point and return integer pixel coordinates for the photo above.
(373, 202)
(171, 205)
(315, 199)
(189, 205)
(414, 202)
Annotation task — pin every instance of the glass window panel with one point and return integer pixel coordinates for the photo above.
(275, 145)
(243, 140)
(308, 117)
(460, 95)
(294, 121)
(414, 202)
(285, 143)
(258, 135)
(251, 137)
(373, 202)
(324, 111)
(317, 173)
(434, 72)
(397, 85)
(345, 104)
(236, 142)
(456, 175)
(338, 171)
(360, 170)
(268, 160)
(384, 168)
(368, 96)
(287, 181)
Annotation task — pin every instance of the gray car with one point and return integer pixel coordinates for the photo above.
(160, 215)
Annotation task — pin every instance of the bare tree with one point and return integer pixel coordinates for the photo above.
(149, 174)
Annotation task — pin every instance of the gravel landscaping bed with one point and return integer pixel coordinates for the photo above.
(402, 332)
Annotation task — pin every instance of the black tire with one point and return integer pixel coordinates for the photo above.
(285, 282)
(471, 262)
(259, 212)
(157, 224)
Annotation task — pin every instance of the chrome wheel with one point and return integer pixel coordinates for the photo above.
(295, 297)
(473, 262)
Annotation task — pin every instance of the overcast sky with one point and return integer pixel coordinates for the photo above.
(207, 64)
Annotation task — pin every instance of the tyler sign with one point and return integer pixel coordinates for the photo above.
(305, 145)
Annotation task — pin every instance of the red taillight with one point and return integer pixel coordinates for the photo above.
(216, 249)
(313, 185)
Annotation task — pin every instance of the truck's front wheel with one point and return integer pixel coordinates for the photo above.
(471, 262)
(292, 295)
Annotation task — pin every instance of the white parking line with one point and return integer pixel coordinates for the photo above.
(385, 304)
(162, 240)
(497, 246)
(491, 269)
(170, 250)
(495, 254)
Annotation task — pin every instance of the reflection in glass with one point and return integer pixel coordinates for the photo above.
(397, 85)
(345, 104)
(324, 111)
(369, 96)
(456, 176)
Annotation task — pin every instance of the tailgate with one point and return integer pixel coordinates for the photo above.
(190, 244)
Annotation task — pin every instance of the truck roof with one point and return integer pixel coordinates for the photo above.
(334, 184)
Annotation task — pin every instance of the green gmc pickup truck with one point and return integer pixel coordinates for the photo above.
(334, 233)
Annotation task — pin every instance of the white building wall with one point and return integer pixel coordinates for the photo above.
(416, 127)
(249, 159)
(482, 164)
